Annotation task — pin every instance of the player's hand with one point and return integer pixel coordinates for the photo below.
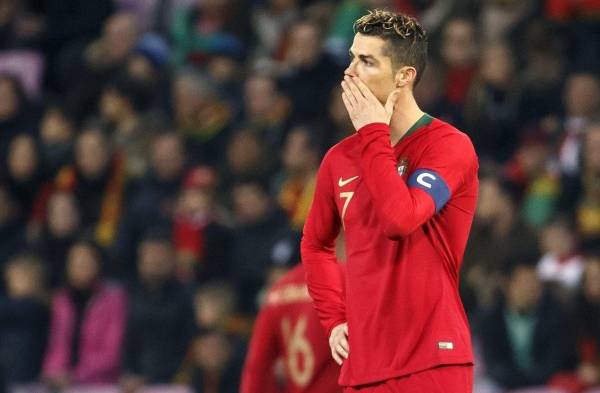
(338, 343)
(362, 105)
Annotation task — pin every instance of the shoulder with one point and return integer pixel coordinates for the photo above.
(449, 137)
(343, 147)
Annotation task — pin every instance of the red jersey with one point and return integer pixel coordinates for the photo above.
(406, 211)
(288, 327)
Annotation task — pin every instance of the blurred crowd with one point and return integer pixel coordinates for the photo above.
(159, 159)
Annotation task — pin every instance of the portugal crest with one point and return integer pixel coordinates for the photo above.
(402, 166)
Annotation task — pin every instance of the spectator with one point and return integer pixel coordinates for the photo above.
(60, 230)
(308, 73)
(497, 230)
(154, 199)
(207, 28)
(246, 156)
(459, 52)
(23, 321)
(262, 239)
(15, 112)
(586, 321)
(215, 353)
(84, 345)
(266, 110)
(491, 108)
(201, 240)
(160, 321)
(24, 173)
(582, 102)
(295, 185)
(562, 264)
(201, 116)
(98, 63)
(270, 22)
(57, 138)
(523, 337)
(588, 206)
(98, 181)
(122, 106)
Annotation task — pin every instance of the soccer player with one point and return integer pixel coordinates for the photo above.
(404, 188)
(288, 327)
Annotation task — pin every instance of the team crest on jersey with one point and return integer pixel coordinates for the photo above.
(403, 166)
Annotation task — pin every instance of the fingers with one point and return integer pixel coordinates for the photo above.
(350, 96)
(353, 87)
(340, 349)
(362, 88)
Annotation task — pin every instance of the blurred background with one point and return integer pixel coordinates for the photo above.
(158, 159)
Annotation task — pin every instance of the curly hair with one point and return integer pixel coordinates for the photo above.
(406, 40)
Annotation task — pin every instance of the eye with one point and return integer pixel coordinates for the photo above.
(367, 62)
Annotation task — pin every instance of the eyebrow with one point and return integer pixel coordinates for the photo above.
(362, 57)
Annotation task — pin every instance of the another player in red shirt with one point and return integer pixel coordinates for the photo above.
(404, 188)
(288, 328)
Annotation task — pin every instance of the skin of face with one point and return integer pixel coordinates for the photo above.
(370, 64)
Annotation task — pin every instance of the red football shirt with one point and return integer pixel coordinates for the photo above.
(406, 211)
(288, 327)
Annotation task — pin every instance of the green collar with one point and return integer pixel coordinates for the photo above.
(423, 121)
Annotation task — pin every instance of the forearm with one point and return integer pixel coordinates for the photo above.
(399, 210)
(325, 282)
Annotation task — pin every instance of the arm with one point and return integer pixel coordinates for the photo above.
(258, 374)
(402, 207)
(323, 273)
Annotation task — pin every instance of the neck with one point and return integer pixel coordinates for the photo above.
(406, 113)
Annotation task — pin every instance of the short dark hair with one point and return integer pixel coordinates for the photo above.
(406, 40)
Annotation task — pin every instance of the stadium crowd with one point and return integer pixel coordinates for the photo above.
(159, 159)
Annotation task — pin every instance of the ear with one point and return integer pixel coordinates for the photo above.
(405, 76)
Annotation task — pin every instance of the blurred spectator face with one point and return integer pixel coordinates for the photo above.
(250, 202)
(491, 201)
(497, 66)
(260, 94)
(9, 99)
(582, 95)
(120, 35)
(298, 155)
(282, 5)
(8, 10)
(213, 304)
(63, 215)
(558, 239)
(83, 266)
(56, 127)
(524, 289)
(591, 280)
(140, 68)
(212, 352)
(222, 69)
(304, 45)
(113, 105)
(92, 154)
(190, 94)
(533, 158)
(168, 157)
(244, 152)
(195, 202)
(591, 148)
(156, 261)
(22, 158)
(24, 277)
(459, 45)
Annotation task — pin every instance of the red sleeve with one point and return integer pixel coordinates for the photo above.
(323, 272)
(258, 374)
(403, 206)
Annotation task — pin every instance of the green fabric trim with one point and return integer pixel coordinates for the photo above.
(423, 121)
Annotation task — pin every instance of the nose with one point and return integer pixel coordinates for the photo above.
(351, 69)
